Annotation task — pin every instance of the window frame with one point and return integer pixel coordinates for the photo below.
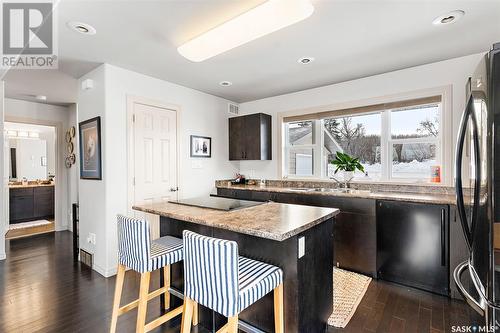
(444, 154)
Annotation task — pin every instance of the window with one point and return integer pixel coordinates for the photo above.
(414, 142)
(357, 136)
(394, 142)
(300, 148)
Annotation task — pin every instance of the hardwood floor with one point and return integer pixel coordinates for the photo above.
(42, 290)
(392, 308)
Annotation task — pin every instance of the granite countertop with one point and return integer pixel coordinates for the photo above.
(431, 198)
(268, 220)
(31, 185)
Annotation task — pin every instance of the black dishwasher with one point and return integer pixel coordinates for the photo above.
(412, 245)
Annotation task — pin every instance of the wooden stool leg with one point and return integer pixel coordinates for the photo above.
(120, 276)
(195, 313)
(143, 302)
(232, 324)
(187, 315)
(166, 279)
(278, 310)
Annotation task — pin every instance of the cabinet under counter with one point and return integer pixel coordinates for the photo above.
(30, 202)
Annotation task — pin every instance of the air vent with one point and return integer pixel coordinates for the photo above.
(233, 108)
(86, 258)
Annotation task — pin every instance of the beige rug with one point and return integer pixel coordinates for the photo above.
(29, 224)
(348, 290)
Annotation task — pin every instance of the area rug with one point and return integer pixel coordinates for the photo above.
(348, 290)
(29, 224)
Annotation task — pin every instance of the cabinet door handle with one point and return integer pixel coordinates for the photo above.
(443, 237)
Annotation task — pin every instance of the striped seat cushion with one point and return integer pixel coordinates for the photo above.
(165, 251)
(136, 251)
(216, 277)
(256, 279)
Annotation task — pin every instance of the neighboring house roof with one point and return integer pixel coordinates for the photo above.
(297, 133)
(300, 135)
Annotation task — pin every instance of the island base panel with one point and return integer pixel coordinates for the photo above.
(308, 289)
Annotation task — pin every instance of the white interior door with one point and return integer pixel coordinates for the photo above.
(155, 157)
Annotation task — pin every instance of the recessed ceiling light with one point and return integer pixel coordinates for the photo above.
(41, 97)
(259, 21)
(226, 83)
(305, 60)
(83, 28)
(448, 18)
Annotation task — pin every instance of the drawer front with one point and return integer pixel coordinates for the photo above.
(44, 190)
(20, 192)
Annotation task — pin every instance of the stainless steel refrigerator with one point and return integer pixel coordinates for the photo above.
(477, 185)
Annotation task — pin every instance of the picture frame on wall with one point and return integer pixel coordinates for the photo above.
(201, 146)
(90, 149)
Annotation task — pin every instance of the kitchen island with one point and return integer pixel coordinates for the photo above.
(298, 239)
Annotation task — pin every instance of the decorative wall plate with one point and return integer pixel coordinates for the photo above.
(68, 136)
(70, 148)
(67, 162)
(72, 131)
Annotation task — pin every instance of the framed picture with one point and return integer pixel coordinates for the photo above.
(90, 149)
(201, 146)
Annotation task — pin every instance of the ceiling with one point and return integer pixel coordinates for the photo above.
(348, 39)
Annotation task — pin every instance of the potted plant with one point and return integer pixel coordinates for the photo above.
(347, 164)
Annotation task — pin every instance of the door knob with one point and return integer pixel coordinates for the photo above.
(174, 189)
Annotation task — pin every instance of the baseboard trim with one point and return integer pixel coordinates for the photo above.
(61, 228)
(105, 272)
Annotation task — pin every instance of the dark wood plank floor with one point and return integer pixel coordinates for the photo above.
(42, 290)
(389, 307)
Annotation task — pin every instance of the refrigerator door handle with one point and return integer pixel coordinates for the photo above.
(457, 274)
(458, 167)
(443, 237)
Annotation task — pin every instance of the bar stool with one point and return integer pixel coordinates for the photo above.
(215, 276)
(137, 252)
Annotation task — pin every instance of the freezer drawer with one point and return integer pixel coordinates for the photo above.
(412, 245)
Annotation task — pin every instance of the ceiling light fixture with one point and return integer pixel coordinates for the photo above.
(448, 18)
(305, 60)
(83, 28)
(264, 19)
(41, 97)
(226, 83)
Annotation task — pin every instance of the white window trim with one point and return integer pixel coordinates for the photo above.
(446, 149)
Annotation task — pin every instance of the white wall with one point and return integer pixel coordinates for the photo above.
(50, 140)
(92, 193)
(73, 173)
(5, 177)
(50, 115)
(100, 201)
(454, 72)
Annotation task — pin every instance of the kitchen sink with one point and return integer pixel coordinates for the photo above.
(302, 189)
(329, 190)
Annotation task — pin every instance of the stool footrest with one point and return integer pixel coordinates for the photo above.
(134, 304)
(163, 319)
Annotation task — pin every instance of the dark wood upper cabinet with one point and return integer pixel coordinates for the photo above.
(250, 137)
